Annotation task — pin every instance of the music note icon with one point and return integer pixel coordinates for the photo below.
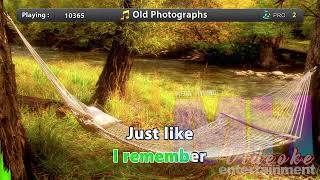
(125, 15)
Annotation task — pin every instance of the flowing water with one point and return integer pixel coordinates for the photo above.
(183, 72)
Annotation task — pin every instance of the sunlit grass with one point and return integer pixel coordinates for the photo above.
(149, 101)
(64, 149)
(68, 151)
(296, 45)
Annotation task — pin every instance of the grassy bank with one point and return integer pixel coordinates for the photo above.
(148, 101)
(65, 150)
(296, 45)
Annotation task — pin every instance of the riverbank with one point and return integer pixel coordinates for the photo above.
(185, 73)
(290, 55)
(270, 74)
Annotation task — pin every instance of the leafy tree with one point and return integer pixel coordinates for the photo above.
(118, 66)
(269, 35)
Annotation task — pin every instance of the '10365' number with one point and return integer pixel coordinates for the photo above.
(74, 15)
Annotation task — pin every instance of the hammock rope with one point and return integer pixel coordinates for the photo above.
(275, 119)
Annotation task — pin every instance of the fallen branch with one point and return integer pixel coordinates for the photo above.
(37, 104)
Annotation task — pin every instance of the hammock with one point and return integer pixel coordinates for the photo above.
(274, 119)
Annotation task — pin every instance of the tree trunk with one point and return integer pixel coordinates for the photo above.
(313, 59)
(277, 42)
(117, 68)
(314, 50)
(12, 134)
(266, 53)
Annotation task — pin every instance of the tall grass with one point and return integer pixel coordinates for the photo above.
(67, 151)
(149, 101)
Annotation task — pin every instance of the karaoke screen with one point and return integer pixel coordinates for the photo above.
(159, 89)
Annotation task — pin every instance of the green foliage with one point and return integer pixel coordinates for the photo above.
(147, 40)
(222, 48)
(296, 45)
(4, 173)
(264, 30)
(309, 20)
(230, 53)
(308, 26)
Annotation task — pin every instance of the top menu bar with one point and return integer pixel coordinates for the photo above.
(160, 15)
